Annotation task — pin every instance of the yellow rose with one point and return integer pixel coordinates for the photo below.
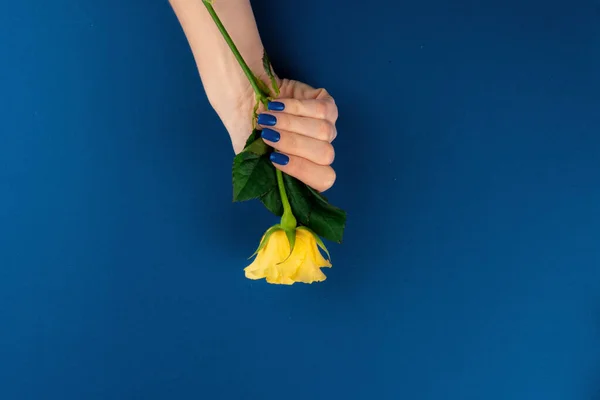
(275, 263)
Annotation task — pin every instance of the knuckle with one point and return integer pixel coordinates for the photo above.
(283, 122)
(293, 105)
(326, 131)
(292, 142)
(321, 110)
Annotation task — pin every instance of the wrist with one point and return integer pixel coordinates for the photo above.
(224, 80)
(234, 100)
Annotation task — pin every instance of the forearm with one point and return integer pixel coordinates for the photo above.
(222, 77)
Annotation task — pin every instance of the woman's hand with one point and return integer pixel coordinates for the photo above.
(300, 126)
(302, 131)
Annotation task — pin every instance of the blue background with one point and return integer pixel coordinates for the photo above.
(468, 161)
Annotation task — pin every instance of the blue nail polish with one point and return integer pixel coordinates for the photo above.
(270, 135)
(276, 106)
(267, 119)
(279, 158)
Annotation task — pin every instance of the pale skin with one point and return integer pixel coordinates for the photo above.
(306, 126)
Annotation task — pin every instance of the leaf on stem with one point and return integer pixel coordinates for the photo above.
(255, 135)
(328, 221)
(319, 196)
(253, 176)
(299, 197)
(255, 113)
(258, 147)
(272, 201)
(268, 67)
(310, 208)
(266, 93)
(253, 173)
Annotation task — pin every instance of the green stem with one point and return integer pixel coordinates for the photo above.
(232, 46)
(288, 221)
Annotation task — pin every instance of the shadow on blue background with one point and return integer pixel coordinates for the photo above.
(467, 161)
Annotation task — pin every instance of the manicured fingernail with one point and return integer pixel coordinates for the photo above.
(276, 106)
(270, 135)
(267, 119)
(279, 158)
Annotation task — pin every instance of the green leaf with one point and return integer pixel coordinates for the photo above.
(328, 221)
(318, 196)
(269, 70)
(310, 208)
(272, 201)
(258, 147)
(324, 219)
(265, 89)
(299, 197)
(327, 217)
(255, 112)
(255, 144)
(255, 135)
(253, 176)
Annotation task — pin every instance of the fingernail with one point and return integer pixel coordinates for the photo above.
(267, 119)
(279, 158)
(270, 135)
(276, 106)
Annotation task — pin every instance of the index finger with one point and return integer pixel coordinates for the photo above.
(317, 109)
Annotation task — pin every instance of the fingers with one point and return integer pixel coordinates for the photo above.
(299, 90)
(319, 177)
(315, 128)
(318, 151)
(318, 109)
(301, 132)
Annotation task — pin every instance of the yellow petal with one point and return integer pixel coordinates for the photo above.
(275, 250)
(310, 269)
(290, 266)
(309, 274)
(274, 262)
(280, 280)
(314, 252)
